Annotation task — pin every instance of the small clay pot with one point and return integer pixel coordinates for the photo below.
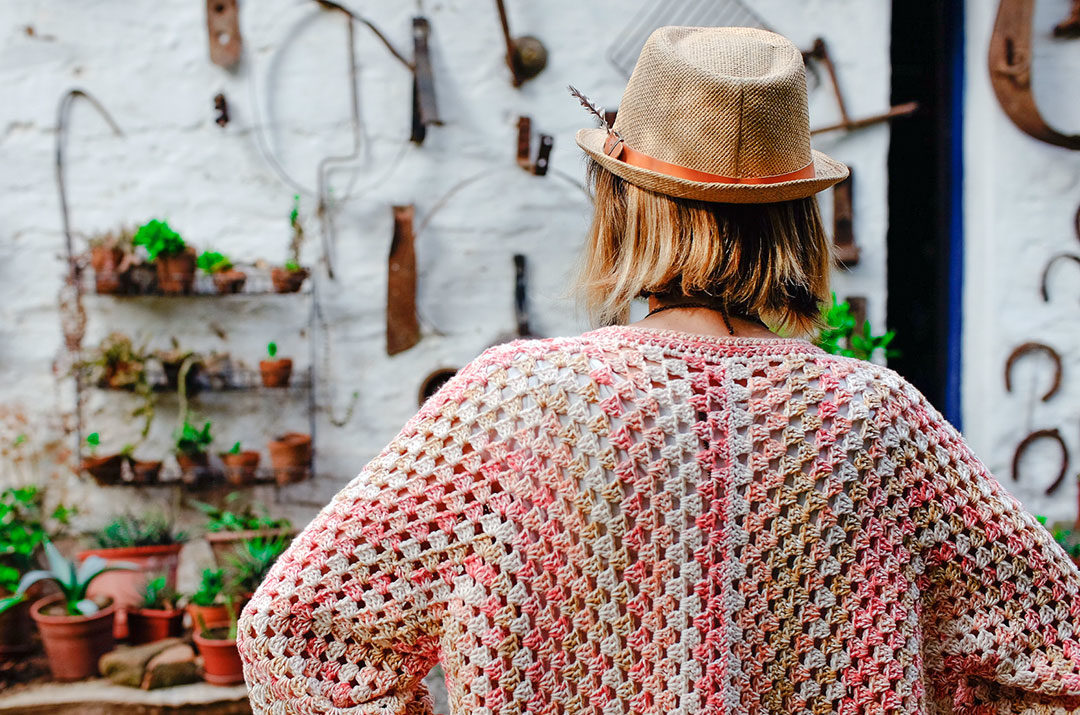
(106, 263)
(124, 587)
(171, 368)
(142, 279)
(145, 472)
(146, 625)
(286, 281)
(240, 469)
(290, 455)
(73, 644)
(106, 471)
(221, 659)
(230, 281)
(16, 631)
(218, 613)
(176, 272)
(194, 468)
(276, 373)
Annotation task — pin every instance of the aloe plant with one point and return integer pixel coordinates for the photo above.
(73, 580)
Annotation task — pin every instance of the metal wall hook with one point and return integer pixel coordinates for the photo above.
(1043, 287)
(1026, 348)
(1051, 434)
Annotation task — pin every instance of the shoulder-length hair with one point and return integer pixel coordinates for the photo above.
(766, 260)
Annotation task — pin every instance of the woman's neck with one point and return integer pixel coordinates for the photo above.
(703, 321)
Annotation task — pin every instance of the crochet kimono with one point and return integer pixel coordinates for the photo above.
(645, 521)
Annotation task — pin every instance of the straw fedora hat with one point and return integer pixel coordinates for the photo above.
(715, 114)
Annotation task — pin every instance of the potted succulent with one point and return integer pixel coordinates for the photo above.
(1066, 537)
(290, 456)
(229, 526)
(175, 260)
(251, 560)
(116, 364)
(289, 278)
(23, 529)
(108, 252)
(207, 604)
(275, 372)
(192, 452)
(177, 360)
(241, 466)
(106, 470)
(75, 628)
(158, 616)
(218, 266)
(147, 543)
(217, 646)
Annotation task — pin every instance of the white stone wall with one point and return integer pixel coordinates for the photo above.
(148, 64)
(1021, 198)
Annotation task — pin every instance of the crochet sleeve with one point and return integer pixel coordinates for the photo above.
(1000, 598)
(348, 619)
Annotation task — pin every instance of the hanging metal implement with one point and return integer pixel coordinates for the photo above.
(223, 27)
(402, 325)
(1010, 73)
(525, 55)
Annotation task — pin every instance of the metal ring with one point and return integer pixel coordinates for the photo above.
(1026, 348)
(1035, 436)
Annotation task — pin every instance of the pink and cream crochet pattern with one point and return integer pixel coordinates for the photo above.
(643, 521)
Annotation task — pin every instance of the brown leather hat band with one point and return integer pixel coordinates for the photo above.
(644, 161)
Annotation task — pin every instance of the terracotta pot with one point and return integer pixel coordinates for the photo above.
(224, 543)
(286, 281)
(106, 263)
(276, 373)
(146, 625)
(221, 659)
(171, 369)
(176, 272)
(15, 631)
(217, 613)
(290, 455)
(106, 471)
(73, 644)
(194, 468)
(125, 588)
(142, 279)
(240, 469)
(230, 281)
(145, 472)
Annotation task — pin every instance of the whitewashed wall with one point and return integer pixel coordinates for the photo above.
(1021, 198)
(148, 64)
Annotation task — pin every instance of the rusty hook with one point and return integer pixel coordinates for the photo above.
(1026, 348)
(1046, 272)
(1035, 436)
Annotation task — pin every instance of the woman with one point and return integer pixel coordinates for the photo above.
(689, 514)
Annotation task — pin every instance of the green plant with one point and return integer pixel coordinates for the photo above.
(23, 529)
(213, 262)
(1068, 539)
(208, 633)
(129, 530)
(192, 441)
(210, 587)
(245, 519)
(293, 262)
(157, 595)
(839, 335)
(73, 581)
(271, 349)
(159, 239)
(118, 364)
(252, 560)
(235, 449)
(92, 441)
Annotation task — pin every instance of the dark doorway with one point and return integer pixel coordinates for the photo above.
(924, 236)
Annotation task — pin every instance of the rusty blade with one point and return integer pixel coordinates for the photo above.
(402, 326)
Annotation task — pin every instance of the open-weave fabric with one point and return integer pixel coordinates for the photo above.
(642, 521)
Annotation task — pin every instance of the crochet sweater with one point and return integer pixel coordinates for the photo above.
(643, 521)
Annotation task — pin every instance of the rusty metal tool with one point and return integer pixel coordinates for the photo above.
(845, 250)
(1031, 347)
(525, 55)
(1043, 283)
(223, 27)
(221, 106)
(820, 53)
(1051, 434)
(1010, 73)
(1069, 28)
(425, 112)
(539, 167)
(402, 325)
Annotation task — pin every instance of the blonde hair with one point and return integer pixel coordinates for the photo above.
(766, 260)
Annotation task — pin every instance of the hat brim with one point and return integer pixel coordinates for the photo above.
(827, 172)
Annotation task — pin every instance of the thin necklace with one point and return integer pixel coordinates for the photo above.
(723, 313)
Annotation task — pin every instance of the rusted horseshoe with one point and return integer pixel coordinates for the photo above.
(1026, 348)
(1046, 273)
(1010, 73)
(1035, 436)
